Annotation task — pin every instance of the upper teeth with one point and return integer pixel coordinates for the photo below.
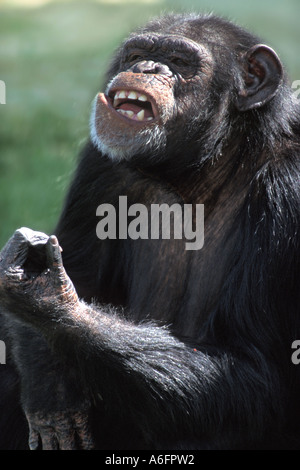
(129, 94)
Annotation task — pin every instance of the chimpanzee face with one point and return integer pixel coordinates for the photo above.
(165, 89)
(152, 98)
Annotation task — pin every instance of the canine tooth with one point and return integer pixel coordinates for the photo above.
(142, 98)
(133, 95)
(141, 115)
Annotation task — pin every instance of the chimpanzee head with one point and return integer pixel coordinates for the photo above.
(176, 86)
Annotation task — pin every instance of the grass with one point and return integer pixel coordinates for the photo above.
(52, 59)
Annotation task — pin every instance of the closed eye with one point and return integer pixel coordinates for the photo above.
(134, 57)
(179, 62)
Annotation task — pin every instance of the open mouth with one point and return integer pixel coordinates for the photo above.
(133, 105)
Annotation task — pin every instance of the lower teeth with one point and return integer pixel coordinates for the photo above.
(136, 117)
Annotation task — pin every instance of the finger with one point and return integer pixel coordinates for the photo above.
(67, 441)
(86, 440)
(54, 258)
(49, 441)
(32, 236)
(65, 433)
(15, 251)
(83, 431)
(34, 441)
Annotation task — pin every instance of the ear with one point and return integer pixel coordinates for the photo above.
(262, 76)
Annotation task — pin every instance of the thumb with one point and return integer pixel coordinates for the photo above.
(54, 258)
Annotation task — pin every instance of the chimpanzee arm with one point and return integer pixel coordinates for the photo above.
(141, 369)
(152, 374)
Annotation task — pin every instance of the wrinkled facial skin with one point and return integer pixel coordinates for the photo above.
(146, 104)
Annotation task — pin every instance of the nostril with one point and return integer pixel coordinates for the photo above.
(151, 67)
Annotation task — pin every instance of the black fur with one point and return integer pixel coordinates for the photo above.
(194, 351)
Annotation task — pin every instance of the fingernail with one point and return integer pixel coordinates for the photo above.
(53, 240)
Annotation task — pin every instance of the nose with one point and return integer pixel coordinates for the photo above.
(149, 66)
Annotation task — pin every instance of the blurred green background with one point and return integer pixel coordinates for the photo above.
(52, 58)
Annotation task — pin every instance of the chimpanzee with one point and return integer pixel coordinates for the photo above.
(119, 342)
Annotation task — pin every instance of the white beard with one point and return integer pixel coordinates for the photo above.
(119, 145)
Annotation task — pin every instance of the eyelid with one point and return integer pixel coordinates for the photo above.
(177, 58)
(132, 55)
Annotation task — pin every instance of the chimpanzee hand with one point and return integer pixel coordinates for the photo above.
(60, 430)
(33, 283)
(32, 276)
